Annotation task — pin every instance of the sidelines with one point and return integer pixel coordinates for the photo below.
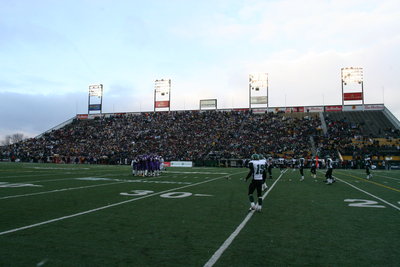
(214, 258)
(108, 206)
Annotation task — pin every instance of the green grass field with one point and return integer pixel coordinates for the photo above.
(85, 215)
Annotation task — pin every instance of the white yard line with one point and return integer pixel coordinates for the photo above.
(47, 174)
(187, 172)
(70, 178)
(59, 190)
(230, 239)
(375, 174)
(106, 207)
(24, 176)
(118, 181)
(384, 176)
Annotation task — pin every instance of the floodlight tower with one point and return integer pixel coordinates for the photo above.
(258, 89)
(162, 94)
(95, 95)
(352, 82)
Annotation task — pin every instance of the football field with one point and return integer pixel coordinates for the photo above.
(96, 215)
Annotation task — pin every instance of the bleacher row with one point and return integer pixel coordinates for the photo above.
(212, 135)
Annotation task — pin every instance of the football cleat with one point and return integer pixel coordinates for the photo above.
(252, 206)
(264, 186)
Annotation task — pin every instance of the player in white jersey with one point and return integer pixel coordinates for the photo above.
(281, 163)
(293, 164)
(329, 170)
(368, 166)
(314, 167)
(264, 161)
(257, 172)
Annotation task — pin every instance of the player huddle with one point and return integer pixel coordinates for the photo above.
(147, 165)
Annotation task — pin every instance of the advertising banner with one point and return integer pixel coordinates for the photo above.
(333, 108)
(181, 164)
(167, 164)
(259, 100)
(374, 107)
(162, 104)
(259, 110)
(353, 108)
(294, 109)
(94, 107)
(208, 103)
(82, 116)
(314, 109)
(352, 96)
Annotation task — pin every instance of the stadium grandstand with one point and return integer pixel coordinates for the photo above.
(224, 137)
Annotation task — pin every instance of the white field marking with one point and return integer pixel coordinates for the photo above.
(58, 190)
(63, 179)
(355, 187)
(202, 195)
(375, 174)
(384, 176)
(230, 239)
(22, 176)
(105, 207)
(14, 185)
(219, 173)
(42, 263)
(55, 168)
(46, 174)
(116, 181)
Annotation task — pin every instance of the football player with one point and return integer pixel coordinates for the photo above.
(263, 161)
(328, 175)
(301, 168)
(293, 164)
(134, 165)
(257, 172)
(281, 163)
(314, 167)
(270, 164)
(368, 165)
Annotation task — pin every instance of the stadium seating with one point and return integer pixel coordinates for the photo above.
(212, 135)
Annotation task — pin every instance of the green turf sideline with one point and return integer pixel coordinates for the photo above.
(214, 258)
(365, 192)
(106, 207)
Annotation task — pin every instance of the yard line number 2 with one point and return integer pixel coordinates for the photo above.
(363, 203)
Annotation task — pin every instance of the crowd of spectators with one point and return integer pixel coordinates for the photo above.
(183, 135)
(348, 138)
(189, 135)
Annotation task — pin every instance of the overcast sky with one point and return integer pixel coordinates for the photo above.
(51, 51)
